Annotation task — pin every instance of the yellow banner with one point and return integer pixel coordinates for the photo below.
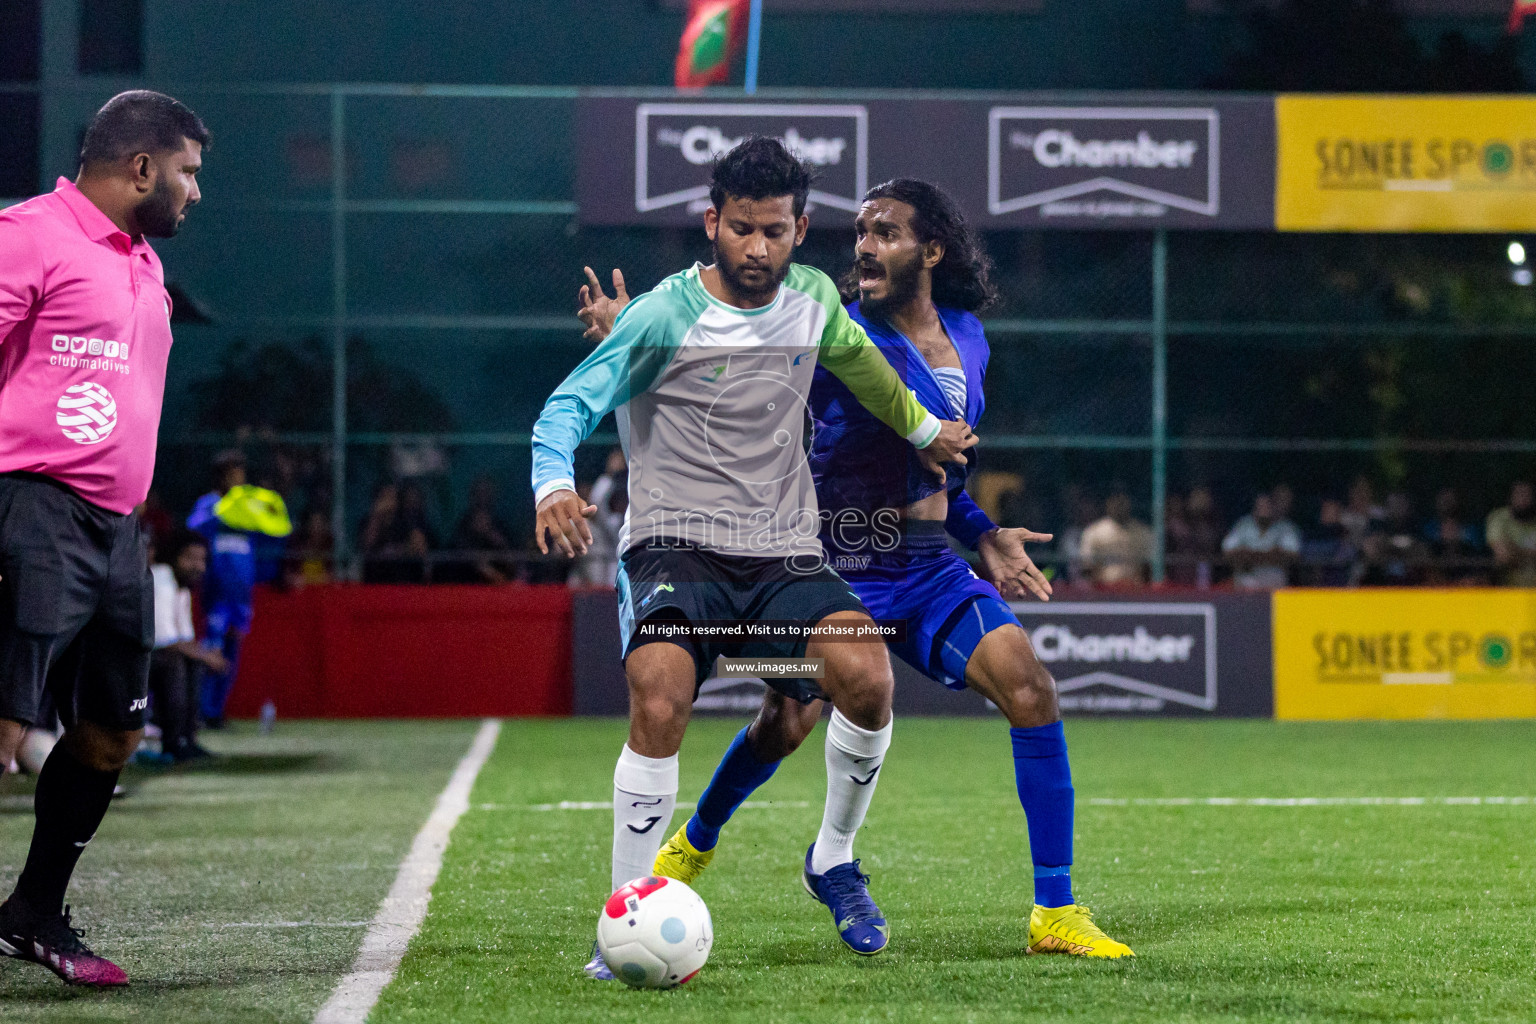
(1405, 654)
(1395, 163)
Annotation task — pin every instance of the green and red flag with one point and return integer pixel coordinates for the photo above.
(1518, 11)
(713, 35)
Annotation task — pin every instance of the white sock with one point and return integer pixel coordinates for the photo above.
(854, 757)
(644, 794)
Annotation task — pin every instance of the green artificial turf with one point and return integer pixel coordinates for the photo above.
(239, 890)
(1238, 913)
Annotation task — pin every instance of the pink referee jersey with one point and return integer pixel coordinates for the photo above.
(85, 332)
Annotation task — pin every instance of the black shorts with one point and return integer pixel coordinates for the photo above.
(688, 584)
(77, 606)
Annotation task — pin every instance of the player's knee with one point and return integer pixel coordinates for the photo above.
(657, 708)
(864, 684)
(104, 750)
(10, 741)
(781, 728)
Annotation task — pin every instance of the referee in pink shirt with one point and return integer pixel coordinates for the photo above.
(85, 331)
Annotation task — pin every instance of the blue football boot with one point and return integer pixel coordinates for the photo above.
(597, 968)
(844, 890)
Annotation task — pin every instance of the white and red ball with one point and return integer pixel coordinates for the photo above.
(655, 933)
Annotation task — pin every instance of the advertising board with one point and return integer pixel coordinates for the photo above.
(1041, 162)
(1405, 654)
(1400, 163)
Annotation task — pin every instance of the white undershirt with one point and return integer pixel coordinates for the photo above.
(952, 380)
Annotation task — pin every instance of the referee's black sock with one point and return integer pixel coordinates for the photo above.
(72, 798)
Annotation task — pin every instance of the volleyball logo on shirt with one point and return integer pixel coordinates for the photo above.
(87, 413)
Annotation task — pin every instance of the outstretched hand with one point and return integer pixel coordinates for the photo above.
(597, 310)
(1007, 567)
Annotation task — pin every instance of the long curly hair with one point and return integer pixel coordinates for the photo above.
(963, 278)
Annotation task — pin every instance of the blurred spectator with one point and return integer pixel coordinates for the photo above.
(1329, 548)
(1117, 549)
(227, 586)
(1361, 511)
(178, 657)
(1511, 535)
(1394, 551)
(1194, 540)
(1284, 500)
(1262, 547)
(395, 539)
(610, 493)
(1069, 546)
(158, 523)
(1448, 526)
(309, 551)
(1453, 545)
(480, 531)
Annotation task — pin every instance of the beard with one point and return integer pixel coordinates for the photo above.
(900, 286)
(157, 215)
(731, 275)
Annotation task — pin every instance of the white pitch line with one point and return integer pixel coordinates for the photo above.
(400, 915)
(1311, 801)
(290, 924)
(605, 805)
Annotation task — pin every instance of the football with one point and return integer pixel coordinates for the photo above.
(655, 933)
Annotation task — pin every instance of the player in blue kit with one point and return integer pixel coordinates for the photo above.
(919, 277)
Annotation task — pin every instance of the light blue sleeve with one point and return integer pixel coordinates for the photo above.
(646, 336)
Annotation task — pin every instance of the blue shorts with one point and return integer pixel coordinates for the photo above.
(946, 606)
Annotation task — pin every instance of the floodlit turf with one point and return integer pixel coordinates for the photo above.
(1239, 913)
(238, 891)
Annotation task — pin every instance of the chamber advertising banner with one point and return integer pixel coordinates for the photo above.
(1405, 654)
(1397, 163)
(1196, 163)
(1110, 655)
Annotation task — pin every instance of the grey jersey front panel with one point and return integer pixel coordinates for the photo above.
(716, 445)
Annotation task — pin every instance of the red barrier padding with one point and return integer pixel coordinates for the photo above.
(346, 651)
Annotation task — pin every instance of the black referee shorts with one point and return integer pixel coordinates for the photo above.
(684, 583)
(77, 606)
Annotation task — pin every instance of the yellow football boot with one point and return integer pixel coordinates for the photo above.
(678, 859)
(1071, 930)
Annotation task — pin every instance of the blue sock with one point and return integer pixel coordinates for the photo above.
(739, 774)
(1044, 777)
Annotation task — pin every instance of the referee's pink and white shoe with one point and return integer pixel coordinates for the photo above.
(51, 942)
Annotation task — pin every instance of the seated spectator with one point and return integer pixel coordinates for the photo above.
(1084, 512)
(1511, 535)
(1194, 544)
(395, 539)
(479, 534)
(1262, 547)
(178, 657)
(1454, 547)
(158, 523)
(1328, 550)
(1361, 510)
(1117, 550)
(1284, 500)
(1394, 552)
(309, 551)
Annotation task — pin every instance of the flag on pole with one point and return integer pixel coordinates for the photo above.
(712, 36)
(1517, 12)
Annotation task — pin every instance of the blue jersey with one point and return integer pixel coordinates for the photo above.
(231, 557)
(859, 463)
